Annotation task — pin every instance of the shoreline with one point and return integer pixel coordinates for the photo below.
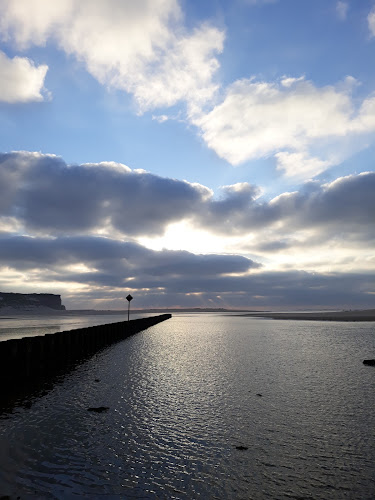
(365, 315)
(355, 315)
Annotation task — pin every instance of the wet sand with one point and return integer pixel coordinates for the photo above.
(365, 315)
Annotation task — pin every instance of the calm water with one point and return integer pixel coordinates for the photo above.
(183, 395)
(14, 327)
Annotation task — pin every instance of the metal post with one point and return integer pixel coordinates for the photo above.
(129, 298)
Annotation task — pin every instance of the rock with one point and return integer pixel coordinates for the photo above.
(259, 394)
(97, 380)
(241, 448)
(369, 362)
(99, 409)
(31, 301)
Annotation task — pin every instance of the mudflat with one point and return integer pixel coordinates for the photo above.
(362, 315)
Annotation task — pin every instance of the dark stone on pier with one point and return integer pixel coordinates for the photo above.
(99, 409)
(369, 362)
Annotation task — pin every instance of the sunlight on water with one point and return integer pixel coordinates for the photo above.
(184, 395)
(19, 326)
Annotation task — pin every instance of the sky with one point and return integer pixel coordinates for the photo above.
(192, 154)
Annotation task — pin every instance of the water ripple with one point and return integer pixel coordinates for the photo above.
(185, 418)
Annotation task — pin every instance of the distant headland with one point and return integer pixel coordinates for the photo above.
(30, 302)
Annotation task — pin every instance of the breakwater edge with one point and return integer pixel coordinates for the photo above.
(24, 360)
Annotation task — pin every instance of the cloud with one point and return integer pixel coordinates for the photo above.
(54, 217)
(104, 270)
(259, 2)
(342, 10)
(286, 288)
(336, 217)
(301, 165)
(47, 196)
(103, 261)
(371, 22)
(290, 119)
(344, 206)
(21, 80)
(145, 48)
(51, 197)
(141, 47)
(160, 118)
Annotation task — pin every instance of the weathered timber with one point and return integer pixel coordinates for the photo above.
(30, 358)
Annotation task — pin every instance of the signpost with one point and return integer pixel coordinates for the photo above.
(129, 298)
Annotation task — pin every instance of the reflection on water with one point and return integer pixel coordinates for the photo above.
(182, 397)
(31, 326)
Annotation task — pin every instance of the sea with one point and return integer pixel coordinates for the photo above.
(201, 406)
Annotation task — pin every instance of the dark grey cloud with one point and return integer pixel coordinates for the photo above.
(175, 278)
(341, 213)
(276, 245)
(344, 206)
(61, 207)
(113, 259)
(276, 290)
(348, 201)
(278, 286)
(48, 196)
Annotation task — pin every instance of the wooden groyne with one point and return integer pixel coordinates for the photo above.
(32, 358)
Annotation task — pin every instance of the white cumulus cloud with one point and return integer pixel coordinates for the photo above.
(301, 164)
(140, 47)
(342, 9)
(287, 118)
(371, 22)
(21, 80)
(259, 2)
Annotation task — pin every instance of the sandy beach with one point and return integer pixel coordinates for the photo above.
(364, 315)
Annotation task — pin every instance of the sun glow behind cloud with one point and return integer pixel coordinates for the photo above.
(195, 104)
(185, 236)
